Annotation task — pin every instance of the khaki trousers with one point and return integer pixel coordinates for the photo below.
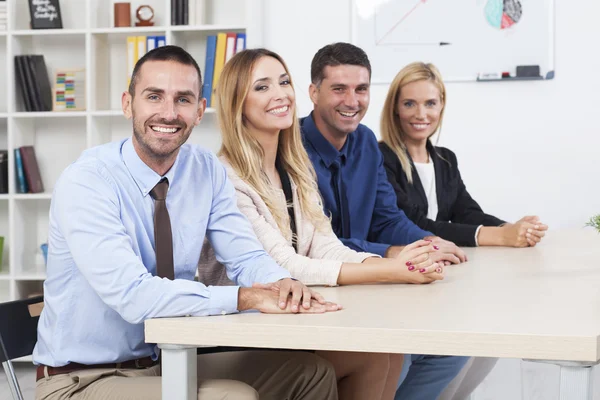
(241, 375)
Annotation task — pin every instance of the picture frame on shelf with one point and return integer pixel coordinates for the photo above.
(68, 93)
(45, 14)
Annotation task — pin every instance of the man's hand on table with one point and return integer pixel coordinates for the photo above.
(285, 296)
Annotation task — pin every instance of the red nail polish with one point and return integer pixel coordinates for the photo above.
(411, 268)
(435, 247)
(422, 270)
(408, 263)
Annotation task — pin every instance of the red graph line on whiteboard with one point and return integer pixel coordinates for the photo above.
(401, 20)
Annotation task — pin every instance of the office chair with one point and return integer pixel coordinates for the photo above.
(18, 335)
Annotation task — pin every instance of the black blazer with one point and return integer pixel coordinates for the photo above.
(458, 214)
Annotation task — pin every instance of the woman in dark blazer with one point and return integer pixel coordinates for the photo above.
(430, 190)
(426, 178)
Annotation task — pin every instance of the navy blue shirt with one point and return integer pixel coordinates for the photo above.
(374, 221)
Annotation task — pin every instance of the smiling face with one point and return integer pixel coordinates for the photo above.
(269, 105)
(341, 100)
(419, 108)
(165, 109)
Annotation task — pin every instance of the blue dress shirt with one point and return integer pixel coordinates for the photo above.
(101, 275)
(356, 192)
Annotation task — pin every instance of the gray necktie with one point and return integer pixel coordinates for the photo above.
(163, 238)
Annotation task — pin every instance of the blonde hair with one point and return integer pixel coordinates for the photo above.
(244, 152)
(391, 130)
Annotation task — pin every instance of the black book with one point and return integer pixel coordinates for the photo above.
(3, 172)
(174, 12)
(30, 84)
(42, 81)
(35, 89)
(179, 12)
(185, 10)
(21, 83)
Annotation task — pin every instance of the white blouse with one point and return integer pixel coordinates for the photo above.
(427, 175)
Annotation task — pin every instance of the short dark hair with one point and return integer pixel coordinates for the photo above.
(164, 53)
(335, 54)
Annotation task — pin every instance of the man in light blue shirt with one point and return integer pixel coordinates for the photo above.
(102, 279)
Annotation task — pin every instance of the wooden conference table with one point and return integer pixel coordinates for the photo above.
(539, 303)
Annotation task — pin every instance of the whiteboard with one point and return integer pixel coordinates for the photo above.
(465, 39)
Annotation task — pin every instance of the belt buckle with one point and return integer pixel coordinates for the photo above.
(137, 364)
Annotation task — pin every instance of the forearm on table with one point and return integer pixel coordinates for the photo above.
(491, 236)
(372, 270)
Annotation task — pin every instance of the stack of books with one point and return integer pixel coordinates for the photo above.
(219, 49)
(29, 179)
(33, 82)
(137, 46)
(3, 16)
(187, 12)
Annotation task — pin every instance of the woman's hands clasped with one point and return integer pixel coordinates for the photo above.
(416, 263)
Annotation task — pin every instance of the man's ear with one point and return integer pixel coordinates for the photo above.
(201, 110)
(126, 102)
(313, 93)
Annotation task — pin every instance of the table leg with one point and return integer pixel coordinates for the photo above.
(575, 382)
(179, 372)
(576, 379)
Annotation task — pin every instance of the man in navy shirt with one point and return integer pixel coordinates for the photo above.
(349, 166)
(355, 189)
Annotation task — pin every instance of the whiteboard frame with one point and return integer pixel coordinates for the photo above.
(551, 50)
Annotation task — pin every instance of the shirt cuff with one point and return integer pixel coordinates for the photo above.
(223, 300)
(360, 257)
(477, 234)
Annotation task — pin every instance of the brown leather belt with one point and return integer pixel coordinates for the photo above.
(139, 363)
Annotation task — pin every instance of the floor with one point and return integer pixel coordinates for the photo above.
(25, 375)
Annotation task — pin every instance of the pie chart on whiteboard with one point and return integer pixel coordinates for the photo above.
(503, 14)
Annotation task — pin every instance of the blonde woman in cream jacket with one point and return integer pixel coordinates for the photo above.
(264, 158)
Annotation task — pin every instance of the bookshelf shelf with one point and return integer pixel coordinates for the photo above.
(207, 28)
(134, 30)
(48, 114)
(32, 196)
(88, 41)
(47, 32)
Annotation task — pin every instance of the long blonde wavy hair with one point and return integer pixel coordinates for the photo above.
(244, 152)
(391, 130)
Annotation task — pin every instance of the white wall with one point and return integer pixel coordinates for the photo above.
(523, 147)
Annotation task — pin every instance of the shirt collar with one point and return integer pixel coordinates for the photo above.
(324, 149)
(144, 177)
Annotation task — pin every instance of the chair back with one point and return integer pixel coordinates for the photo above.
(18, 327)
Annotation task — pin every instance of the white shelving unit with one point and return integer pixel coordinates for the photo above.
(88, 40)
